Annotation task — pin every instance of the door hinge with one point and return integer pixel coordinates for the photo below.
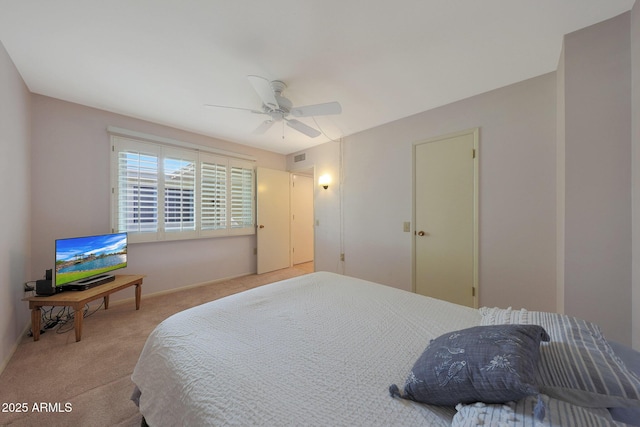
(473, 291)
(473, 153)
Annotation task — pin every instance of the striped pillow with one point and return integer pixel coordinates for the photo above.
(578, 365)
(559, 414)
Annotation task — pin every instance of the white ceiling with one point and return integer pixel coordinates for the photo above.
(162, 60)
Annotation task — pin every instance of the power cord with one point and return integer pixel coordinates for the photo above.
(67, 325)
(322, 130)
(63, 318)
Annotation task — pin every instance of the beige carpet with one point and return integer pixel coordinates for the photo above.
(88, 383)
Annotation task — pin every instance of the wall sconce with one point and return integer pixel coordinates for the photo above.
(324, 181)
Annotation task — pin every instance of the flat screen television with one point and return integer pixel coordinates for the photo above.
(82, 261)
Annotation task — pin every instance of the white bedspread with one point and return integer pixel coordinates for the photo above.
(320, 349)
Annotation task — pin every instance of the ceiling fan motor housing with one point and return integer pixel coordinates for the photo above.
(284, 105)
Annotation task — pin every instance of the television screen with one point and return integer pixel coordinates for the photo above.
(80, 258)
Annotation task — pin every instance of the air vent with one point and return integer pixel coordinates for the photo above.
(300, 157)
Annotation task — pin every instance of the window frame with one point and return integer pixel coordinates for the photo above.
(162, 152)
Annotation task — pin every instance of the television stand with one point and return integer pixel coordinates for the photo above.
(77, 301)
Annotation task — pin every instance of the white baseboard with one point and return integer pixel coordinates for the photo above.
(181, 288)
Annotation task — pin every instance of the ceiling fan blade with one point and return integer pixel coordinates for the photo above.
(264, 126)
(235, 108)
(317, 109)
(301, 127)
(264, 90)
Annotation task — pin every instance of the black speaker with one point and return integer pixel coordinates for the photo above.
(45, 287)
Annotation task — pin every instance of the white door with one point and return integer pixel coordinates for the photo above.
(272, 219)
(301, 218)
(445, 218)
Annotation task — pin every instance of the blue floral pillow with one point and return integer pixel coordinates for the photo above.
(491, 364)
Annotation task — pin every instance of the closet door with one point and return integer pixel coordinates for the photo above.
(445, 217)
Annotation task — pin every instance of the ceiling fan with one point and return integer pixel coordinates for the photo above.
(279, 108)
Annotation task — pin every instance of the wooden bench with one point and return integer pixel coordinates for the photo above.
(78, 299)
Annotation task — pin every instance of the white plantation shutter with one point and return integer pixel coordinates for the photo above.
(165, 193)
(242, 208)
(179, 169)
(137, 188)
(213, 198)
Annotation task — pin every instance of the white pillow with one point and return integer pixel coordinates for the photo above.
(520, 413)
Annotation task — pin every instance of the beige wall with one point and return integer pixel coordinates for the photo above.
(517, 193)
(71, 187)
(597, 176)
(560, 183)
(15, 167)
(635, 143)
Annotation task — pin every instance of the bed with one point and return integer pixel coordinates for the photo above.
(325, 349)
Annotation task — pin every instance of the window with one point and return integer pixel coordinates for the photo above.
(161, 192)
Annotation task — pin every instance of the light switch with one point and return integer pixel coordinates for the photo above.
(407, 227)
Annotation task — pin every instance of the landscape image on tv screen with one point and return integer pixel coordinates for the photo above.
(83, 257)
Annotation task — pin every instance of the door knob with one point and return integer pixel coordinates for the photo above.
(421, 233)
(261, 226)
